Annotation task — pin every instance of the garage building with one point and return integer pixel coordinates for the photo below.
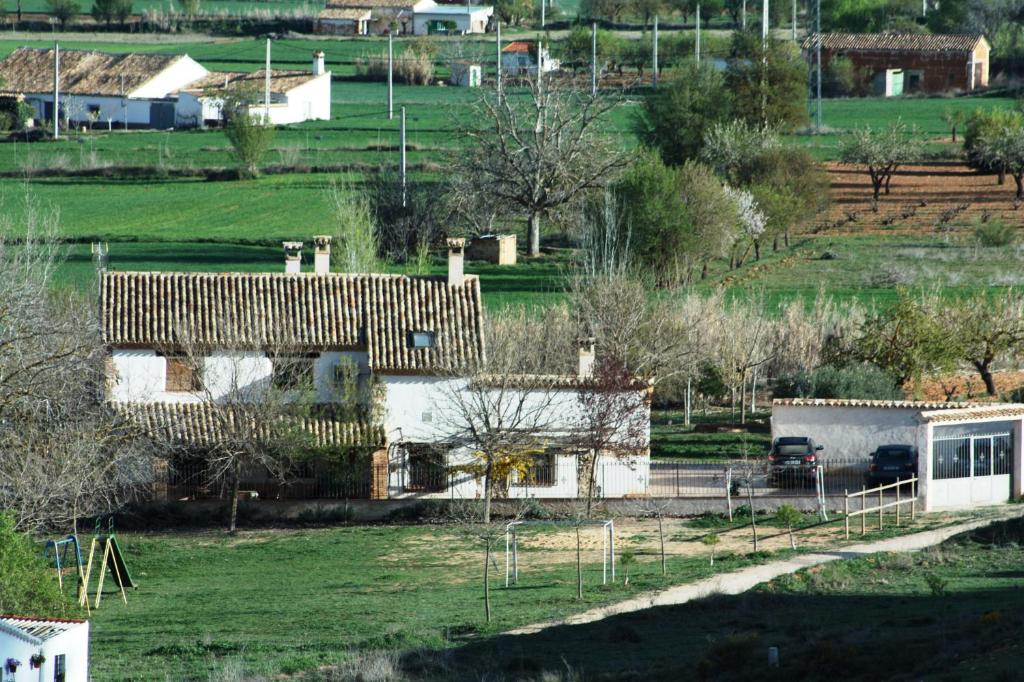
(968, 453)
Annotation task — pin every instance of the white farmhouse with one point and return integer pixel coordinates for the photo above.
(94, 87)
(409, 336)
(522, 58)
(370, 17)
(451, 19)
(968, 454)
(295, 96)
(33, 649)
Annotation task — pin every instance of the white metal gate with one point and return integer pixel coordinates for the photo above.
(971, 469)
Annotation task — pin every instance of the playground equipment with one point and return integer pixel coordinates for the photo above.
(112, 560)
(61, 554)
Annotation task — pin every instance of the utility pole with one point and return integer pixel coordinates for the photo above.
(266, 87)
(543, 13)
(124, 105)
(498, 63)
(402, 173)
(764, 23)
(56, 91)
(540, 88)
(697, 43)
(593, 59)
(391, 77)
(655, 50)
(743, 16)
(794, 20)
(817, 63)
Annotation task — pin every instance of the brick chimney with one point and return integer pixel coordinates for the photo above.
(292, 257)
(318, 62)
(456, 258)
(321, 254)
(587, 357)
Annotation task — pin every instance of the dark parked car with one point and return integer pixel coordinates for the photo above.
(791, 462)
(890, 463)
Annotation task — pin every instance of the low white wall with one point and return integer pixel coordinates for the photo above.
(847, 432)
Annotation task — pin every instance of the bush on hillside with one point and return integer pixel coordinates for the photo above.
(854, 381)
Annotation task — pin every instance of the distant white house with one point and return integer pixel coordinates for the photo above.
(413, 337)
(97, 87)
(521, 58)
(968, 454)
(295, 96)
(34, 649)
(370, 17)
(451, 19)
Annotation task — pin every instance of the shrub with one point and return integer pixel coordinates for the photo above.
(853, 381)
(250, 139)
(27, 586)
(936, 584)
(63, 11)
(994, 233)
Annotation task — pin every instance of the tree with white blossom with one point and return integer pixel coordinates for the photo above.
(752, 223)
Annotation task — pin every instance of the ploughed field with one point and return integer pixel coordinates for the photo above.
(937, 197)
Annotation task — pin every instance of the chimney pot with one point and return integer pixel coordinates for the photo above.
(456, 258)
(318, 62)
(321, 254)
(587, 357)
(292, 256)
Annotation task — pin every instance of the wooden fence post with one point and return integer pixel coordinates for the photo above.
(863, 510)
(880, 507)
(913, 498)
(898, 503)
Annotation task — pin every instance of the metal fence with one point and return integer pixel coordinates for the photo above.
(313, 480)
(696, 478)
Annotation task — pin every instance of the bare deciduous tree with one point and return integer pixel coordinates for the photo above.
(502, 408)
(63, 455)
(537, 152)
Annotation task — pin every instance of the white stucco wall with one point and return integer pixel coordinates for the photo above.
(847, 432)
(140, 375)
(73, 645)
(138, 111)
(474, 21)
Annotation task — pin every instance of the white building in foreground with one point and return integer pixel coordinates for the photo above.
(414, 339)
(34, 649)
(968, 454)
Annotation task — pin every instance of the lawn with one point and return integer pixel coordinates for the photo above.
(292, 600)
(953, 612)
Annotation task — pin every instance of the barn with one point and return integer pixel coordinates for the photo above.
(968, 453)
(43, 649)
(101, 88)
(899, 63)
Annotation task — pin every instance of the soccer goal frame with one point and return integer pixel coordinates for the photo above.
(512, 546)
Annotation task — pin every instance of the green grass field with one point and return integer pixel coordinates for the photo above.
(288, 601)
(947, 613)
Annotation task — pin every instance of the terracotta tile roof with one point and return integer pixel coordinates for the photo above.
(40, 629)
(281, 81)
(350, 13)
(330, 311)
(198, 424)
(520, 46)
(896, 42)
(855, 402)
(991, 411)
(82, 72)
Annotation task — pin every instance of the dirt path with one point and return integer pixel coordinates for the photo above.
(744, 579)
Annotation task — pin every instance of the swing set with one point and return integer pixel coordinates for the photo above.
(66, 557)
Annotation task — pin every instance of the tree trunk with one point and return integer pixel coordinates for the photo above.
(704, 270)
(592, 483)
(487, 492)
(775, 243)
(757, 249)
(661, 538)
(579, 565)
(753, 516)
(986, 375)
(954, 134)
(876, 185)
(233, 521)
(785, 237)
(1019, 180)
(533, 235)
(792, 540)
(1001, 176)
(487, 578)
(888, 179)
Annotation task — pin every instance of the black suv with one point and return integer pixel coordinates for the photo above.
(791, 462)
(891, 463)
